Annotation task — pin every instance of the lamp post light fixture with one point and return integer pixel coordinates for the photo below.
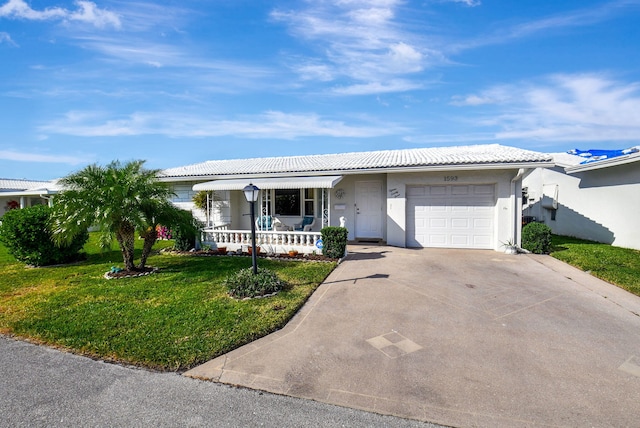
(251, 192)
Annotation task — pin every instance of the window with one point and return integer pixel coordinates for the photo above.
(309, 202)
(287, 202)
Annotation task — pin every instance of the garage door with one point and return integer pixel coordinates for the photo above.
(454, 216)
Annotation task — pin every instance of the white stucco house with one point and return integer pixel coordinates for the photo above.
(16, 194)
(598, 200)
(450, 197)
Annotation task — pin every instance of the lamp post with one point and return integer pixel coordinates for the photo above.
(251, 192)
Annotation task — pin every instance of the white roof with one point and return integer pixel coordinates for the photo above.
(566, 160)
(15, 188)
(476, 155)
(13, 184)
(319, 182)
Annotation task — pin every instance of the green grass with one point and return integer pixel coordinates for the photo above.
(172, 320)
(619, 266)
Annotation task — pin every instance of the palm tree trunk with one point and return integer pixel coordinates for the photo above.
(150, 238)
(126, 239)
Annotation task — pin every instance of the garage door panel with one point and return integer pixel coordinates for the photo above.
(482, 224)
(453, 216)
(460, 223)
(437, 223)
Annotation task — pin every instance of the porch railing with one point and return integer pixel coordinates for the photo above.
(269, 241)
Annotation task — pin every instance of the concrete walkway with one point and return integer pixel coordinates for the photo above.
(460, 338)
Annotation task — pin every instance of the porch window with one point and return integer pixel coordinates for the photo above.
(309, 202)
(287, 202)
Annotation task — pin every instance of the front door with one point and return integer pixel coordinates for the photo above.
(368, 209)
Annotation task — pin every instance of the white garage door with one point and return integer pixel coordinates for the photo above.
(453, 216)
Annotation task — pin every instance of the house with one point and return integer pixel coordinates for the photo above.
(449, 197)
(25, 193)
(595, 197)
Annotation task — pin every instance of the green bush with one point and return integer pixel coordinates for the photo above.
(536, 237)
(185, 231)
(245, 284)
(334, 241)
(27, 236)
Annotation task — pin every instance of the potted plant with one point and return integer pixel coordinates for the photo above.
(293, 253)
(222, 250)
(257, 250)
(510, 247)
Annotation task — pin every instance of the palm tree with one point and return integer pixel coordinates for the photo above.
(118, 200)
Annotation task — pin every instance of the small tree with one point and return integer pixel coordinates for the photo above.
(28, 238)
(118, 199)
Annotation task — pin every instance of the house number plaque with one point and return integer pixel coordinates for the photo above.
(450, 178)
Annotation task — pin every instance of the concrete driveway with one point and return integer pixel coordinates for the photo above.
(456, 337)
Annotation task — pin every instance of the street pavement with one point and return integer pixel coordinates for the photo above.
(43, 387)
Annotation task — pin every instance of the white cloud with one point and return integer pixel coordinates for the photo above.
(86, 12)
(270, 124)
(361, 42)
(40, 158)
(6, 38)
(470, 3)
(397, 85)
(563, 107)
(575, 18)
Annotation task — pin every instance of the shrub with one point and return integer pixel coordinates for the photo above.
(536, 237)
(334, 241)
(185, 231)
(245, 284)
(27, 236)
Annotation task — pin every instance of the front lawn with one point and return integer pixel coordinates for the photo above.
(172, 320)
(619, 266)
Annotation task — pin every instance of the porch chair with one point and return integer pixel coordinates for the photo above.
(279, 226)
(264, 222)
(306, 224)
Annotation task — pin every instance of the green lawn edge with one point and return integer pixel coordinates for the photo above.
(169, 321)
(616, 265)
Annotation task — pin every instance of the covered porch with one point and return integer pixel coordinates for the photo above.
(289, 213)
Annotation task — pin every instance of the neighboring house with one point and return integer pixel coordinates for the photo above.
(16, 194)
(595, 199)
(450, 197)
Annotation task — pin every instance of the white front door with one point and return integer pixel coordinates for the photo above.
(368, 209)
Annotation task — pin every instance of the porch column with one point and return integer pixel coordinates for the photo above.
(22, 202)
(325, 211)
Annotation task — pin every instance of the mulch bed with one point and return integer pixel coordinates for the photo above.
(283, 256)
(148, 270)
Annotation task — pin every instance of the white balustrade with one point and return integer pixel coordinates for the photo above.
(270, 241)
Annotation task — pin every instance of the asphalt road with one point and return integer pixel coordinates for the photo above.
(44, 387)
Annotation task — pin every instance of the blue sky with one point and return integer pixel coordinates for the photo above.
(180, 82)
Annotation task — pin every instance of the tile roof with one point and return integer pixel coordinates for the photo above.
(8, 184)
(362, 161)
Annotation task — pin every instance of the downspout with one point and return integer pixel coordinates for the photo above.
(516, 225)
(49, 199)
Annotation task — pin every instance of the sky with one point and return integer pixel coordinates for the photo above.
(181, 82)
